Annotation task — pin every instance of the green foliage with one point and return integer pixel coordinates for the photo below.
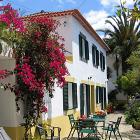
(127, 85)
(135, 12)
(130, 81)
(124, 39)
(124, 36)
(133, 113)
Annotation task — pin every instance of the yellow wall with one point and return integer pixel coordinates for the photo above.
(69, 59)
(63, 122)
(92, 99)
(15, 133)
(70, 79)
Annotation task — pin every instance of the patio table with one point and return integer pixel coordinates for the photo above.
(88, 126)
(97, 119)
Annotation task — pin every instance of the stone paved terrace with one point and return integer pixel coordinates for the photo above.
(127, 132)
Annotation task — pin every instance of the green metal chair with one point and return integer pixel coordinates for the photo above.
(113, 127)
(74, 125)
(88, 127)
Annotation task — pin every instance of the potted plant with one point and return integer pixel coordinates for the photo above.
(109, 108)
(136, 125)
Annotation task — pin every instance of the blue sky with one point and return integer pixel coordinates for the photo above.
(95, 11)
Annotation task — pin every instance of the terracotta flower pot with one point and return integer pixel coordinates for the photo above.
(137, 125)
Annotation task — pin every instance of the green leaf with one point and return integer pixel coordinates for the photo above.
(124, 2)
(119, 13)
(3, 25)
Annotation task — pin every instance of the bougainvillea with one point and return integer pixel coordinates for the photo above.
(40, 62)
(11, 18)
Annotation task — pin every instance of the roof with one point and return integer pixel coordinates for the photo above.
(78, 16)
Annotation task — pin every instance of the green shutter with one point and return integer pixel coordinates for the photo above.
(88, 99)
(65, 97)
(81, 99)
(86, 50)
(74, 95)
(103, 63)
(97, 58)
(104, 97)
(80, 46)
(97, 95)
(101, 96)
(93, 54)
(100, 92)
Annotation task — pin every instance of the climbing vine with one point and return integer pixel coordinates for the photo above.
(40, 61)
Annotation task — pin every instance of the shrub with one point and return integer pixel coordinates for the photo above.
(133, 113)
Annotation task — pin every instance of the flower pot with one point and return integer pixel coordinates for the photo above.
(137, 125)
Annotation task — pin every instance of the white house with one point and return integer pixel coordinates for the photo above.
(86, 87)
(86, 62)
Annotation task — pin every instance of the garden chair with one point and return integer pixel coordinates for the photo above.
(49, 133)
(113, 127)
(88, 127)
(74, 125)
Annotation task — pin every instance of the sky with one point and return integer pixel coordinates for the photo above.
(95, 11)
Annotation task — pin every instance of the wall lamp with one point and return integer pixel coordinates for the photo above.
(90, 77)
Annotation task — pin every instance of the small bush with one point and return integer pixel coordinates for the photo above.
(133, 113)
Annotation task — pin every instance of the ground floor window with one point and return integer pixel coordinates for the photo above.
(84, 99)
(69, 96)
(101, 96)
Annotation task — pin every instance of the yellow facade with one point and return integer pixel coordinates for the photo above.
(63, 122)
(69, 59)
(15, 133)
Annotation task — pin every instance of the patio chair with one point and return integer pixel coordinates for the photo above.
(49, 133)
(113, 127)
(74, 125)
(88, 127)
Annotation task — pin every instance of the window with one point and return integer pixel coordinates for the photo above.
(102, 61)
(69, 96)
(101, 96)
(83, 48)
(95, 56)
(84, 99)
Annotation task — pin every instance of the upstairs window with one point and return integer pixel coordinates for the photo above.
(95, 56)
(102, 61)
(83, 48)
(69, 96)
